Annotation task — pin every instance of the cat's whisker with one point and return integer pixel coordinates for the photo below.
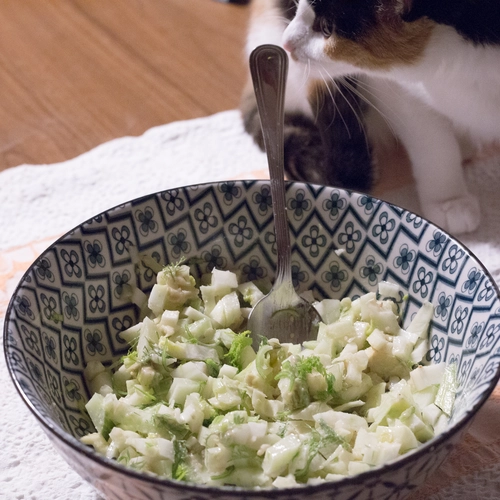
(274, 15)
(348, 81)
(308, 69)
(318, 101)
(305, 79)
(277, 17)
(335, 105)
(352, 89)
(355, 113)
(367, 88)
(389, 124)
(306, 72)
(361, 121)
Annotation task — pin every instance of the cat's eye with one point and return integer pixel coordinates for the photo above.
(325, 27)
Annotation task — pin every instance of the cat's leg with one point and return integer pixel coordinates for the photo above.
(304, 155)
(325, 140)
(435, 155)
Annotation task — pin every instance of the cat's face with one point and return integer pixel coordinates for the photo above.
(346, 36)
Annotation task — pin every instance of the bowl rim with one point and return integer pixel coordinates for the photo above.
(396, 464)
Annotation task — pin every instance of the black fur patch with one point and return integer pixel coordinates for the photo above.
(347, 18)
(340, 122)
(478, 21)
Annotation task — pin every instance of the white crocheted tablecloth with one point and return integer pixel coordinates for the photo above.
(40, 203)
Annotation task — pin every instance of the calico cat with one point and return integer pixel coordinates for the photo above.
(325, 129)
(431, 69)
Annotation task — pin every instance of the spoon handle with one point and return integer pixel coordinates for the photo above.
(269, 68)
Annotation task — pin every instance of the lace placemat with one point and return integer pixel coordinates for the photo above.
(40, 203)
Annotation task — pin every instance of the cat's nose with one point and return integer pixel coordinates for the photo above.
(288, 45)
(291, 48)
(293, 38)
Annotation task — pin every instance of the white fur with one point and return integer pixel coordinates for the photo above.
(455, 87)
(269, 29)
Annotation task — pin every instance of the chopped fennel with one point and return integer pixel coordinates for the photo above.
(193, 401)
(445, 397)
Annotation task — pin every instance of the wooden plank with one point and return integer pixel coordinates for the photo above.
(74, 74)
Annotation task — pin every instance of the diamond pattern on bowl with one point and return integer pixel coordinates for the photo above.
(74, 301)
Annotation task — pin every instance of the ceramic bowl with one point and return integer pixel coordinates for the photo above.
(67, 309)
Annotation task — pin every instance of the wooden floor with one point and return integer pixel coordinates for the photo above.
(74, 74)
(77, 73)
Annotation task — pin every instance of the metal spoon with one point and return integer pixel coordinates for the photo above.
(281, 314)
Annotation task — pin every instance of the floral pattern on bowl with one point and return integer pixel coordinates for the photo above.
(74, 301)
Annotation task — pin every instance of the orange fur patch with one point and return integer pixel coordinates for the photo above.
(392, 42)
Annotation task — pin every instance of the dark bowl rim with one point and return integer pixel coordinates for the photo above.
(101, 460)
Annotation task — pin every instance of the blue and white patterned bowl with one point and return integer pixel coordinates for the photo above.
(68, 309)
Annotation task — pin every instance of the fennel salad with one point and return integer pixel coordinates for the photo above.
(193, 401)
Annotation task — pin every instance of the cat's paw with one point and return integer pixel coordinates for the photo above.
(457, 216)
